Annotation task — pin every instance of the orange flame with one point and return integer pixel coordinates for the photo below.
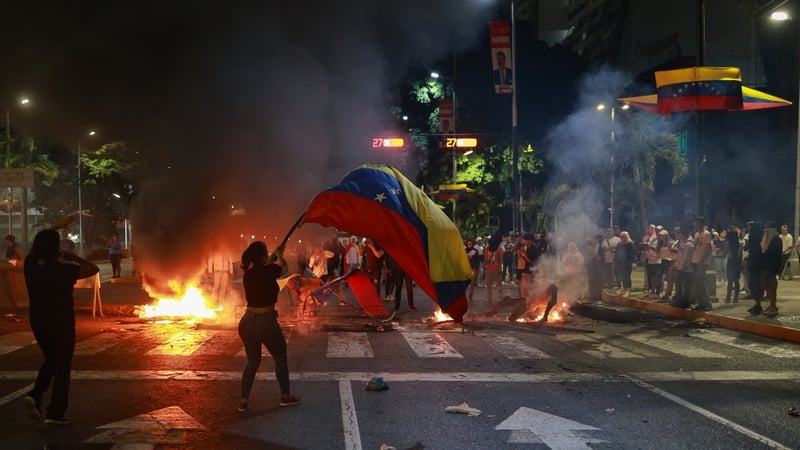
(189, 303)
(440, 316)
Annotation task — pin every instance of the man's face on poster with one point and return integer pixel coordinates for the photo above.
(501, 60)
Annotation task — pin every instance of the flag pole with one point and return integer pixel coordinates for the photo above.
(274, 254)
(517, 202)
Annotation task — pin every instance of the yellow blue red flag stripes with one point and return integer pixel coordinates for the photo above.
(703, 88)
(380, 203)
(699, 88)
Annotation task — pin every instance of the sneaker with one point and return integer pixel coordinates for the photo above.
(770, 311)
(32, 408)
(243, 406)
(291, 400)
(702, 308)
(755, 310)
(389, 298)
(58, 421)
(412, 308)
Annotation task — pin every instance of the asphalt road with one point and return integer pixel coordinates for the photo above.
(658, 384)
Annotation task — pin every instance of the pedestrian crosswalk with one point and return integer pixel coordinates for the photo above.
(633, 344)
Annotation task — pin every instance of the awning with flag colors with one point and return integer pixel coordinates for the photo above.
(703, 88)
(380, 203)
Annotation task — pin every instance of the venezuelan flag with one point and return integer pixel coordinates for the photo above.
(380, 203)
(699, 88)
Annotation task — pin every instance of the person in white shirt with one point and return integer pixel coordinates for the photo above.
(608, 246)
(787, 242)
(220, 268)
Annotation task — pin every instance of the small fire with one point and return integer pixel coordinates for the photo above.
(558, 314)
(440, 316)
(191, 304)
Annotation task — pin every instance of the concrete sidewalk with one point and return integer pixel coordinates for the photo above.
(734, 316)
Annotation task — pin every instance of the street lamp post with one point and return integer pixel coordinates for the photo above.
(80, 200)
(10, 197)
(782, 16)
(601, 107)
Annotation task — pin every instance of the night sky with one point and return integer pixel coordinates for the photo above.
(260, 104)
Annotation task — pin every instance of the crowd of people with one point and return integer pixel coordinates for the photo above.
(683, 266)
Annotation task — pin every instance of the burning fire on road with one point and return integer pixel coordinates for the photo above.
(186, 302)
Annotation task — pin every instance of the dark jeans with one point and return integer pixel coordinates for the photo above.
(608, 276)
(654, 277)
(116, 266)
(700, 284)
(400, 278)
(258, 329)
(57, 341)
(623, 273)
(733, 271)
(683, 286)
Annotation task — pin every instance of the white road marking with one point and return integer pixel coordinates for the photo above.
(182, 343)
(430, 345)
(349, 345)
(710, 415)
(775, 350)
(352, 434)
(513, 348)
(661, 342)
(14, 341)
(597, 348)
(103, 342)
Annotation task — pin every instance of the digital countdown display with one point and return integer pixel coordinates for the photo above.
(453, 142)
(388, 142)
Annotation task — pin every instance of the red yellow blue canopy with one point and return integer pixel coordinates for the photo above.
(703, 88)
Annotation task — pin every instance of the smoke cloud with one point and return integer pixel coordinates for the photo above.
(275, 104)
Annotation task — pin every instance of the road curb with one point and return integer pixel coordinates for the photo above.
(731, 323)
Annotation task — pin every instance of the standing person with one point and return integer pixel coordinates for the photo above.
(14, 254)
(652, 257)
(318, 262)
(352, 255)
(115, 254)
(702, 252)
(373, 264)
(334, 246)
(528, 258)
(624, 260)
(594, 268)
(573, 266)
(479, 246)
(770, 267)
(400, 278)
(492, 255)
(474, 264)
(50, 276)
(683, 268)
(608, 247)
(220, 268)
(733, 265)
(259, 325)
(787, 242)
(667, 266)
(753, 266)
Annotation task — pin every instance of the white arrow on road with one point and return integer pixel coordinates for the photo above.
(166, 426)
(530, 426)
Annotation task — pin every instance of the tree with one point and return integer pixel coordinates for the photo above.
(645, 146)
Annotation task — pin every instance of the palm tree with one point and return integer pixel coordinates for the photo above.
(645, 145)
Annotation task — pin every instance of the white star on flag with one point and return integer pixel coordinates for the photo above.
(380, 197)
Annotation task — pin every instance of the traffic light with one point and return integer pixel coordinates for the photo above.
(467, 142)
